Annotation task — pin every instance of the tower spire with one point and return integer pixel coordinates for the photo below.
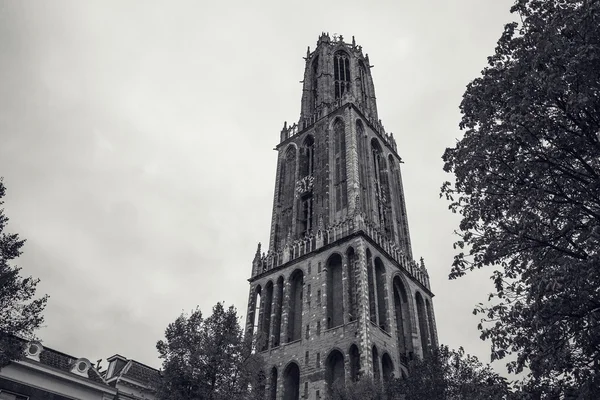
(340, 258)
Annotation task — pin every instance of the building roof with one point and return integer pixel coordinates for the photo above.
(141, 373)
(66, 363)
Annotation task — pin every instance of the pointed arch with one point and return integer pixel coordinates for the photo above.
(266, 317)
(291, 382)
(334, 369)
(371, 287)
(295, 306)
(351, 273)
(375, 361)
(363, 85)
(387, 368)
(341, 73)
(398, 202)
(339, 156)
(335, 290)
(273, 384)
(261, 384)
(285, 199)
(382, 189)
(402, 318)
(278, 296)
(305, 198)
(432, 334)
(423, 328)
(354, 355)
(315, 83)
(380, 278)
(255, 330)
(363, 167)
(307, 156)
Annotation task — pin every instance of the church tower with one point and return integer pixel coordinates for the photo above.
(337, 296)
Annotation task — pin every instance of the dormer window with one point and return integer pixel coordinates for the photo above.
(34, 350)
(341, 73)
(81, 367)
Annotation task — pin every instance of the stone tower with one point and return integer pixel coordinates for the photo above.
(337, 295)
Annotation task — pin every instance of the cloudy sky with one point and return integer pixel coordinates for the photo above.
(136, 145)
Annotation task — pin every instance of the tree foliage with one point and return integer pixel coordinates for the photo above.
(527, 187)
(20, 313)
(364, 389)
(208, 359)
(450, 374)
(443, 374)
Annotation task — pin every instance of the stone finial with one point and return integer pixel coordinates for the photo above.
(422, 263)
(257, 261)
(353, 41)
(258, 249)
(308, 52)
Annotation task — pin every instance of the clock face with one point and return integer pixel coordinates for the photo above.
(304, 185)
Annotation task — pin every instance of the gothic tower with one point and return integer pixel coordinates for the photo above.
(338, 295)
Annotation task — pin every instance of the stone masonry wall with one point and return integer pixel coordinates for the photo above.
(311, 351)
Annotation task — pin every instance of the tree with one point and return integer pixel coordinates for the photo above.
(208, 359)
(527, 188)
(363, 389)
(20, 314)
(450, 374)
(443, 374)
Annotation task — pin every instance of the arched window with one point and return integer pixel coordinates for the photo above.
(261, 385)
(295, 310)
(305, 197)
(273, 385)
(340, 177)
(398, 201)
(431, 326)
(375, 360)
(335, 290)
(291, 382)
(335, 370)
(382, 189)
(363, 167)
(352, 279)
(402, 314)
(315, 84)
(354, 363)
(371, 284)
(287, 182)
(341, 73)
(278, 310)
(256, 318)
(381, 294)
(424, 330)
(307, 154)
(387, 367)
(363, 88)
(266, 317)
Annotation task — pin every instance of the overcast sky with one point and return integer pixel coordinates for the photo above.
(136, 145)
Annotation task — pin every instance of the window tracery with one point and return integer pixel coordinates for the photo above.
(341, 73)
